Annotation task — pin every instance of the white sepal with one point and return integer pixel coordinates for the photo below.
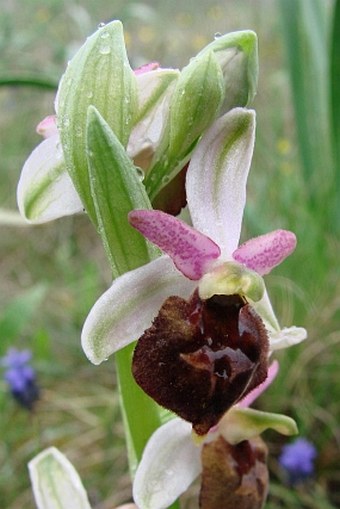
(170, 463)
(128, 307)
(45, 190)
(55, 482)
(217, 178)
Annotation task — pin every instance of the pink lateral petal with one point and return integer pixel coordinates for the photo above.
(146, 68)
(47, 127)
(250, 398)
(265, 252)
(189, 249)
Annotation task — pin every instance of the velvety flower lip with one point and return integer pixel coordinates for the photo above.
(199, 357)
(206, 254)
(172, 457)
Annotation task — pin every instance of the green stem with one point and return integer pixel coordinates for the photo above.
(29, 81)
(140, 413)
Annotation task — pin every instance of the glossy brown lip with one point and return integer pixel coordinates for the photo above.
(201, 357)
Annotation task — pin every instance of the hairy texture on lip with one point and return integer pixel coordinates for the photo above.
(234, 475)
(200, 357)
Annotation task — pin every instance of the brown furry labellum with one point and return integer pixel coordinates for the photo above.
(201, 357)
(234, 476)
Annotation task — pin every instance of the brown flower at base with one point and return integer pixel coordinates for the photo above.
(201, 357)
(234, 476)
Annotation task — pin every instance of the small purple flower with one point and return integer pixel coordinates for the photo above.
(297, 459)
(20, 377)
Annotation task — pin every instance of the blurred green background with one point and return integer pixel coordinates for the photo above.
(52, 274)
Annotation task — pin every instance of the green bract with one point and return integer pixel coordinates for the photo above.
(222, 76)
(237, 55)
(195, 103)
(98, 75)
(116, 188)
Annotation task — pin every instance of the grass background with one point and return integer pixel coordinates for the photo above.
(52, 274)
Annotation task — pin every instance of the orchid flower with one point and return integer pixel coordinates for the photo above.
(46, 191)
(172, 458)
(157, 115)
(207, 257)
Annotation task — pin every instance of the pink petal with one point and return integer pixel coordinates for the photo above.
(190, 250)
(250, 398)
(146, 68)
(47, 127)
(264, 253)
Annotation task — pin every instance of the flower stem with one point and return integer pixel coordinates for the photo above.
(140, 413)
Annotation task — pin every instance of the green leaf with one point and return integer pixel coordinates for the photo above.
(245, 423)
(55, 482)
(19, 313)
(116, 189)
(98, 75)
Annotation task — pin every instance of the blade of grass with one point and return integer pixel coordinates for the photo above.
(305, 31)
(335, 97)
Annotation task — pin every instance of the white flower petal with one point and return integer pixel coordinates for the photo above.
(170, 463)
(55, 482)
(288, 336)
(128, 307)
(217, 176)
(154, 92)
(45, 190)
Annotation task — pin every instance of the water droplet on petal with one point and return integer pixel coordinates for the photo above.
(140, 173)
(217, 35)
(105, 50)
(101, 25)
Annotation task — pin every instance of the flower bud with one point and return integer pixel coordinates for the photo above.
(237, 55)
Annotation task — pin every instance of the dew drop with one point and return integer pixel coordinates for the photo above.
(105, 50)
(140, 173)
(165, 179)
(217, 35)
(59, 150)
(65, 122)
(101, 25)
